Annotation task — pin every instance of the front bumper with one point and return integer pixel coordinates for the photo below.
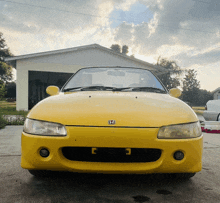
(210, 115)
(96, 137)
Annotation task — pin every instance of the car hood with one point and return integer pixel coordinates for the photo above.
(131, 109)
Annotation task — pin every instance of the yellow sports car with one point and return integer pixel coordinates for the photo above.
(112, 120)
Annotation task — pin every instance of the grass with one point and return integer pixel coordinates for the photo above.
(9, 108)
(12, 111)
(3, 122)
(4, 104)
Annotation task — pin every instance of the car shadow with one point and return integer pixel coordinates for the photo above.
(98, 180)
(79, 187)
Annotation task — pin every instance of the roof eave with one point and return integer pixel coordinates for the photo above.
(217, 89)
(157, 69)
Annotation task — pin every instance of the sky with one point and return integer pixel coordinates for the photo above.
(186, 31)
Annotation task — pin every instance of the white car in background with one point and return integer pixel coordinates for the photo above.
(212, 112)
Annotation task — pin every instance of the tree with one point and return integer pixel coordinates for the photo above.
(2, 90)
(204, 97)
(5, 72)
(191, 91)
(5, 69)
(171, 78)
(124, 49)
(4, 51)
(116, 47)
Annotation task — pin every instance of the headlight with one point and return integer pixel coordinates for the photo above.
(44, 128)
(182, 131)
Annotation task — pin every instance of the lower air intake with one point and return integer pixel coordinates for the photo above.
(88, 154)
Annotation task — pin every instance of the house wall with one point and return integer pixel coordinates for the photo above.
(68, 62)
(216, 95)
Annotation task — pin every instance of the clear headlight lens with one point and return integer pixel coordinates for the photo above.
(44, 128)
(182, 131)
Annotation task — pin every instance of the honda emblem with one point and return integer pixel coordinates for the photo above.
(111, 122)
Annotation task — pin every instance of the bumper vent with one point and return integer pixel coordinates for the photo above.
(111, 154)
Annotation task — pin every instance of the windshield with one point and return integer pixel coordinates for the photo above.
(118, 78)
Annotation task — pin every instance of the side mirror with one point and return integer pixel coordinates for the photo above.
(52, 90)
(175, 92)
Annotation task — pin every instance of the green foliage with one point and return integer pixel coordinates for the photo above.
(2, 90)
(5, 72)
(190, 82)
(124, 49)
(116, 47)
(4, 51)
(8, 108)
(192, 92)
(119, 49)
(17, 122)
(204, 97)
(5, 69)
(2, 122)
(12, 111)
(14, 120)
(191, 87)
(171, 78)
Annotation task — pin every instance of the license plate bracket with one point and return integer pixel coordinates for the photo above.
(111, 151)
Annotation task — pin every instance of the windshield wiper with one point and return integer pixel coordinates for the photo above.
(149, 89)
(97, 87)
(72, 88)
(121, 88)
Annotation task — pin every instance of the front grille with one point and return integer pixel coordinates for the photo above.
(111, 154)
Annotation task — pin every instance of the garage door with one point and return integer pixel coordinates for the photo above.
(38, 81)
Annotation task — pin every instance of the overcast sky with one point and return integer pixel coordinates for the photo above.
(187, 31)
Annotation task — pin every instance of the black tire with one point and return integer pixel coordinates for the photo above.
(40, 173)
(183, 176)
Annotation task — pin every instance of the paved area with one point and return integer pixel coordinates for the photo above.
(17, 185)
(201, 118)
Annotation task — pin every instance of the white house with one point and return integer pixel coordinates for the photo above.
(216, 93)
(37, 71)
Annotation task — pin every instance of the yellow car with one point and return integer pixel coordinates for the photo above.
(112, 120)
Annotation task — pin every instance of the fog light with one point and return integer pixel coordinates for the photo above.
(44, 152)
(178, 155)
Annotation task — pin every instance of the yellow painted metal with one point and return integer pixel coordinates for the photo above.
(175, 92)
(95, 108)
(52, 90)
(138, 116)
(95, 137)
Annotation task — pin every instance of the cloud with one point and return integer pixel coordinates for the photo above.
(176, 29)
(185, 31)
(46, 26)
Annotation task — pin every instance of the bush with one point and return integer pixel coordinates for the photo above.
(14, 119)
(18, 122)
(3, 122)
